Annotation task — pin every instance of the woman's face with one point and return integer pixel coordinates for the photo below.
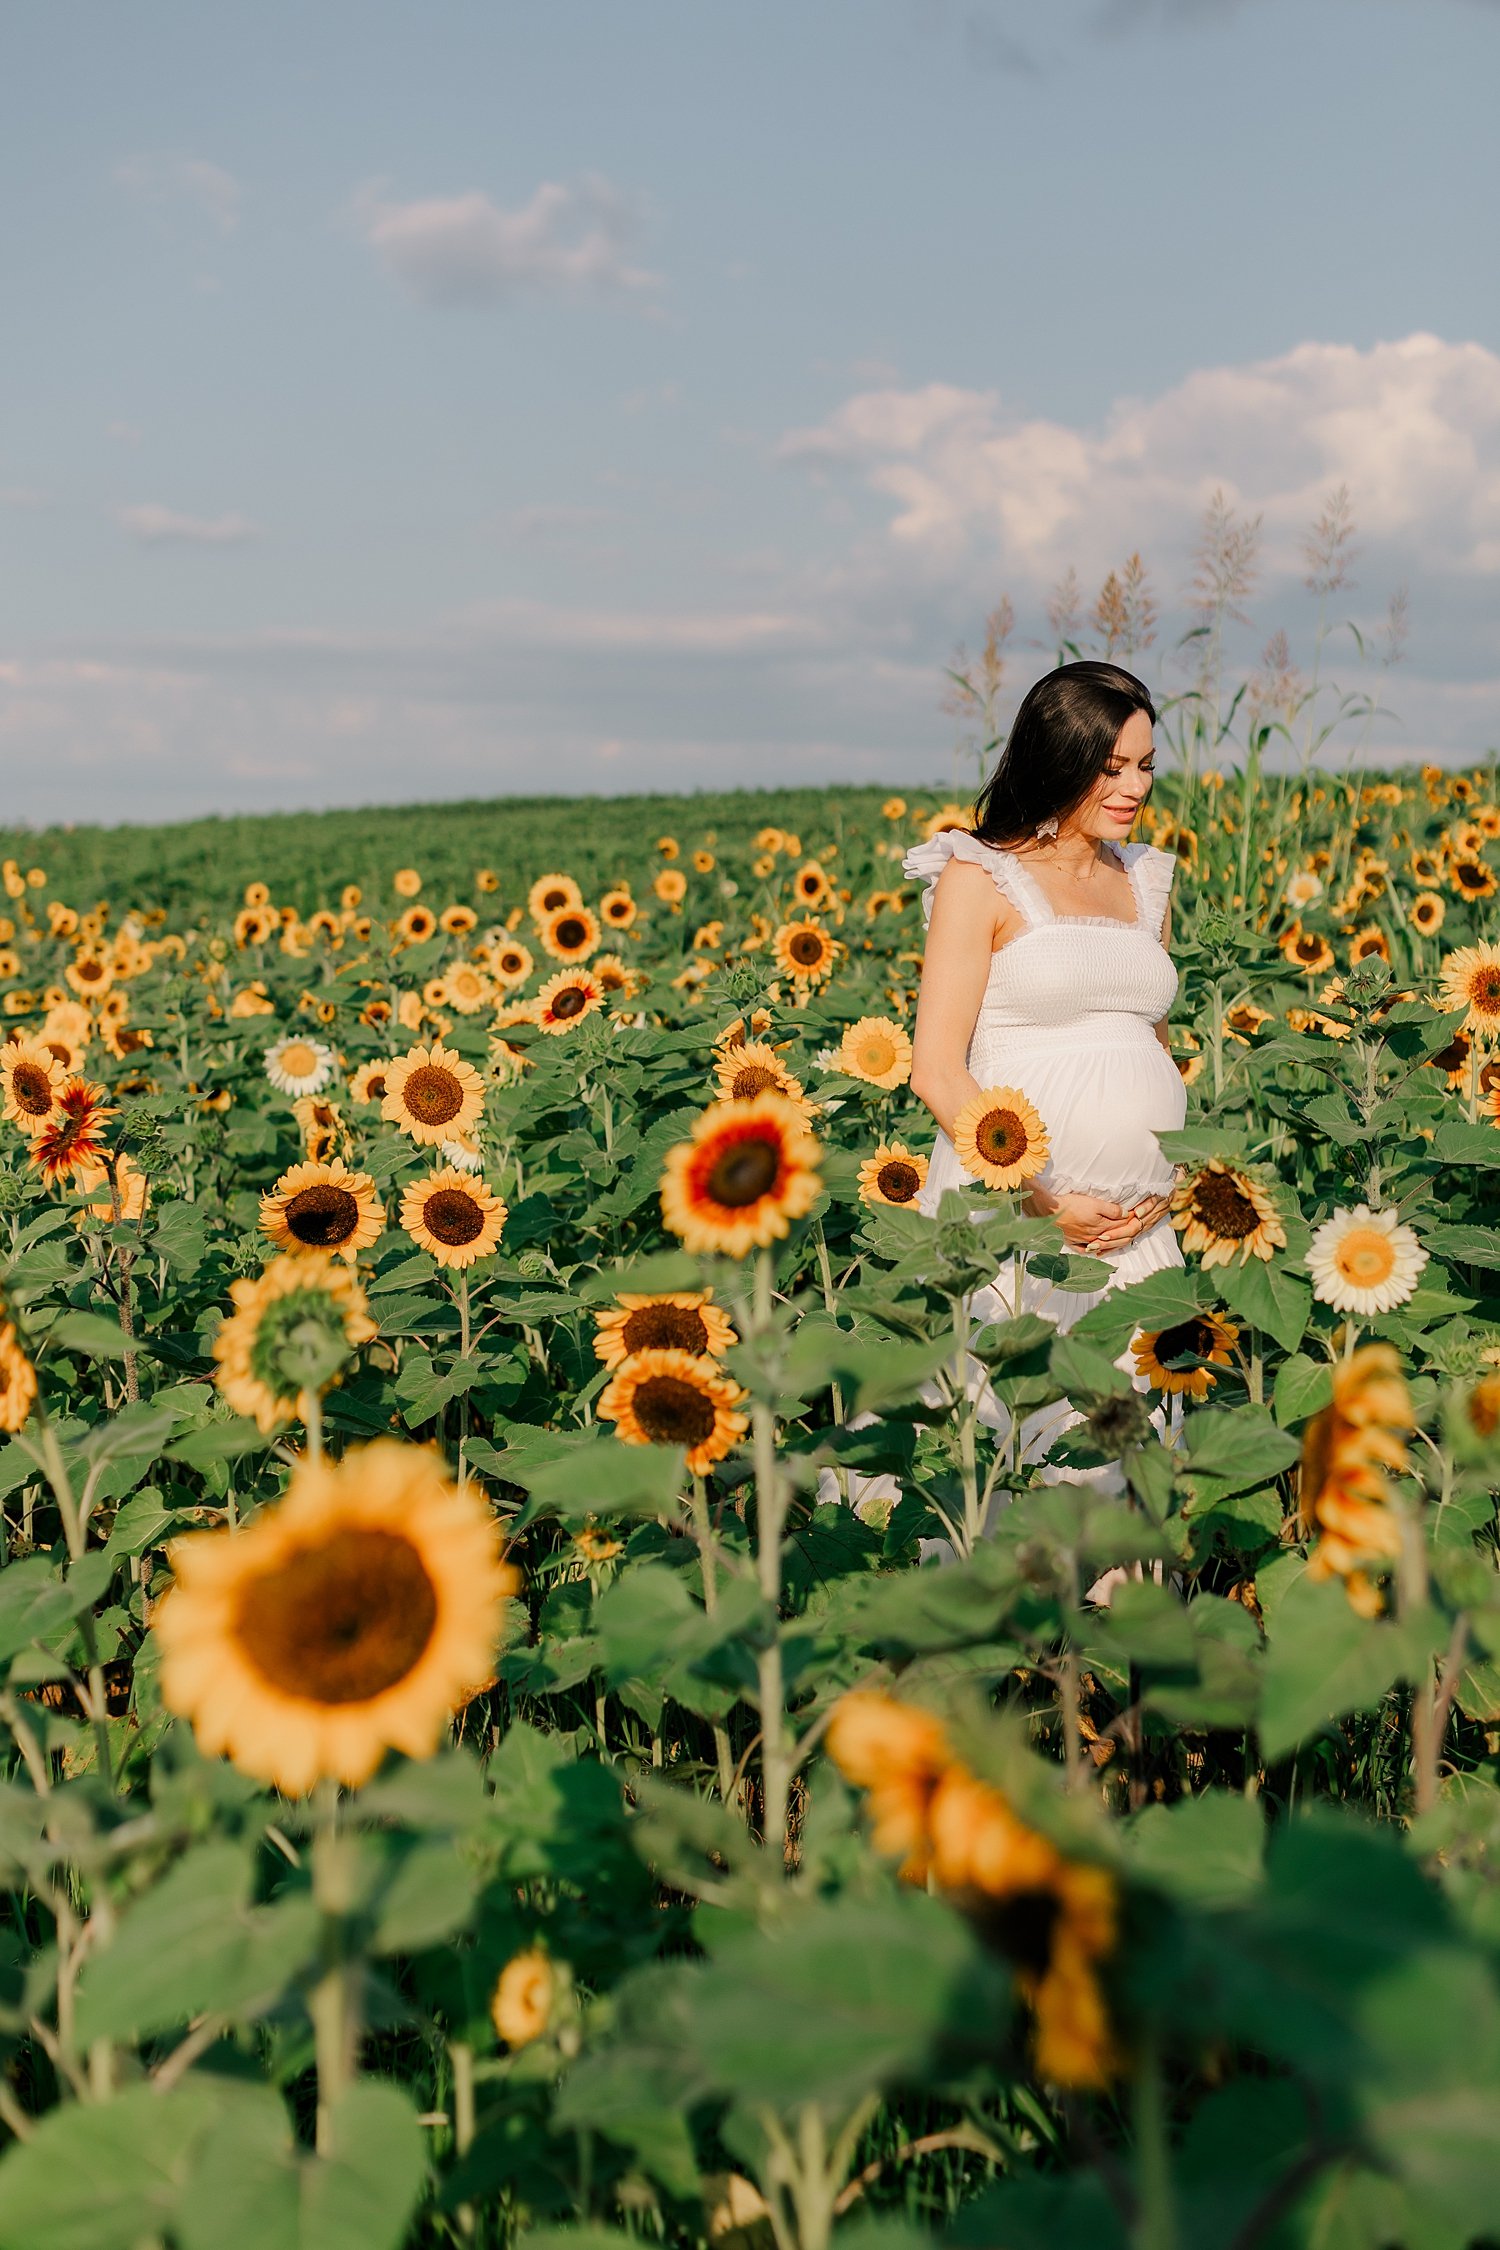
(1116, 798)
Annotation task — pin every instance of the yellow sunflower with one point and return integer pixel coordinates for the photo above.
(1306, 950)
(565, 999)
(458, 921)
(253, 925)
(749, 1169)
(454, 1215)
(323, 1207)
(1473, 878)
(31, 1078)
(1182, 1358)
(1000, 1138)
(571, 934)
(670, 1397)
(293, 1330)
(406, 882)
(416, 925)
(894, 808)
(17, 1381)
(670, 886)
(432, 1093)
(1470, 977)
(549, 894)
(525, 1995)
(894, 1174)
(618, 908)
(1222, 1212)
(1344, 1495)
(805, 951)
(368, 1083)
(1426, 913)
(877, 1050)
(510, 963)
(810, 884)
(340, 1624)
(466, 989)
(685, 1320)
(746, 1069)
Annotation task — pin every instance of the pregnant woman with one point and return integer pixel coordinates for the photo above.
(1046, 970)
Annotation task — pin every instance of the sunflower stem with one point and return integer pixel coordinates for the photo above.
(331, 2002)
(76, 1535)
(704, 1533)
(967, 1452)
(770, 1522)
(1155, 2225)
(463, 1353)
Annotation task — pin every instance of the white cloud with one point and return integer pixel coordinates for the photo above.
(155, 526)
(465, 249)
(1412, 427)
(163, 177)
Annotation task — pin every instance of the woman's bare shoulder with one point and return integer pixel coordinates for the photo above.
(978, 901)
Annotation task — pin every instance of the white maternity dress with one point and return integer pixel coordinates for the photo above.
(1067, 1016)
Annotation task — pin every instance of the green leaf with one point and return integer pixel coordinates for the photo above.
(95, 1335)
(1458, 1142)
(1229, 1449)
(106, 2176)
(1303, 1387)
(253, 2189)
(1324, 1660)
(1205, 1850)
(1267, 1295)
(1470, 1246)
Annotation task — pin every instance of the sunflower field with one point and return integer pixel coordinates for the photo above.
(512, 1734)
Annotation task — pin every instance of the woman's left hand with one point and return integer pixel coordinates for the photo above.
(1135, 1222)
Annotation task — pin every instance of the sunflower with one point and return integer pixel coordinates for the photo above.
(32, 1078)
(432, 1093)
(1364, 1261)
(749, 1169)
(1344, 1495)
(894, 1174)
(525, 1995)
(17, 1381)
(594, 1545)
(670, 1397)
(876, 1050)
(1306, 950)
(69, 1141)
(668, 846)
(416, 925)
(292, 1332)
(324, 1132)
(253, 925)
(549, 894)
(368, 1082)
(466, 989)
(684, 1320)
(566, 999)
(338, 1625)
(511, 964)
(1470, 978)
(810, 884)
(464, 1153)
(1053, 1919)
(1182, 1358)
(69, 1023)
(406, 882)
(323, 1207)
(894, 808)
(704, 862)
(252, 1000)
(739, 1033)
(1244, 1019)
(670, 886)
(453, 1215)
(299, 1066)
(1472, 878)
(571, 934)
(804, 951)
(90, 974)
(1426, 913)
(618, 908)
(257, 894)
(1222, 1212)
(1000, 1138)
(615, 973)
(744, 1070)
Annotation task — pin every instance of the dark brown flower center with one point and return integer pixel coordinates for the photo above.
(665, 1327)
(806, 949)
(1310, 948)
(618, 910)
(1000, 1137)
(1188, 1339)
(553, 897)
(31, 1089)
(571, 1001)
(673, 1411)
(1223, 1207)
(89, 969)
(1453, 1056)
(510, 963)
(753, 1079)
(1471, 876)
(743, 1172)
(571, 931)
(455, 1218)
(1484, 990)
(898, 1181)
(432, 1095)
(322, 1217)
(1021, 1925)
(342, 1621)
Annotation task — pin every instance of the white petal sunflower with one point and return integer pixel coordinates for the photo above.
(1364, 1261)
(297, 1065)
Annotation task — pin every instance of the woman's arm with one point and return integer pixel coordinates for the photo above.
(966, 908)
(1160, 1029)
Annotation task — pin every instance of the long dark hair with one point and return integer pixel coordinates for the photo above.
(1062, 740)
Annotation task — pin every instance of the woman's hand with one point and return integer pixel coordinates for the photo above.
(1095, 1224)
(1118, 1234)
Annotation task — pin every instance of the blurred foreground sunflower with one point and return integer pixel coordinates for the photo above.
(1344, 1495)
(342, 1622)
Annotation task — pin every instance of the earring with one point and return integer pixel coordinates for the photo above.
(1048, 827)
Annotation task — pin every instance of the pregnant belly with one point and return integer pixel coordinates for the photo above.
(1103, 1104)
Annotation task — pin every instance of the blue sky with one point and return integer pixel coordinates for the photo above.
(475, 398)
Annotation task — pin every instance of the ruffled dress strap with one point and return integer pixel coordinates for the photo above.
(924, 863)
(1152, 871)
